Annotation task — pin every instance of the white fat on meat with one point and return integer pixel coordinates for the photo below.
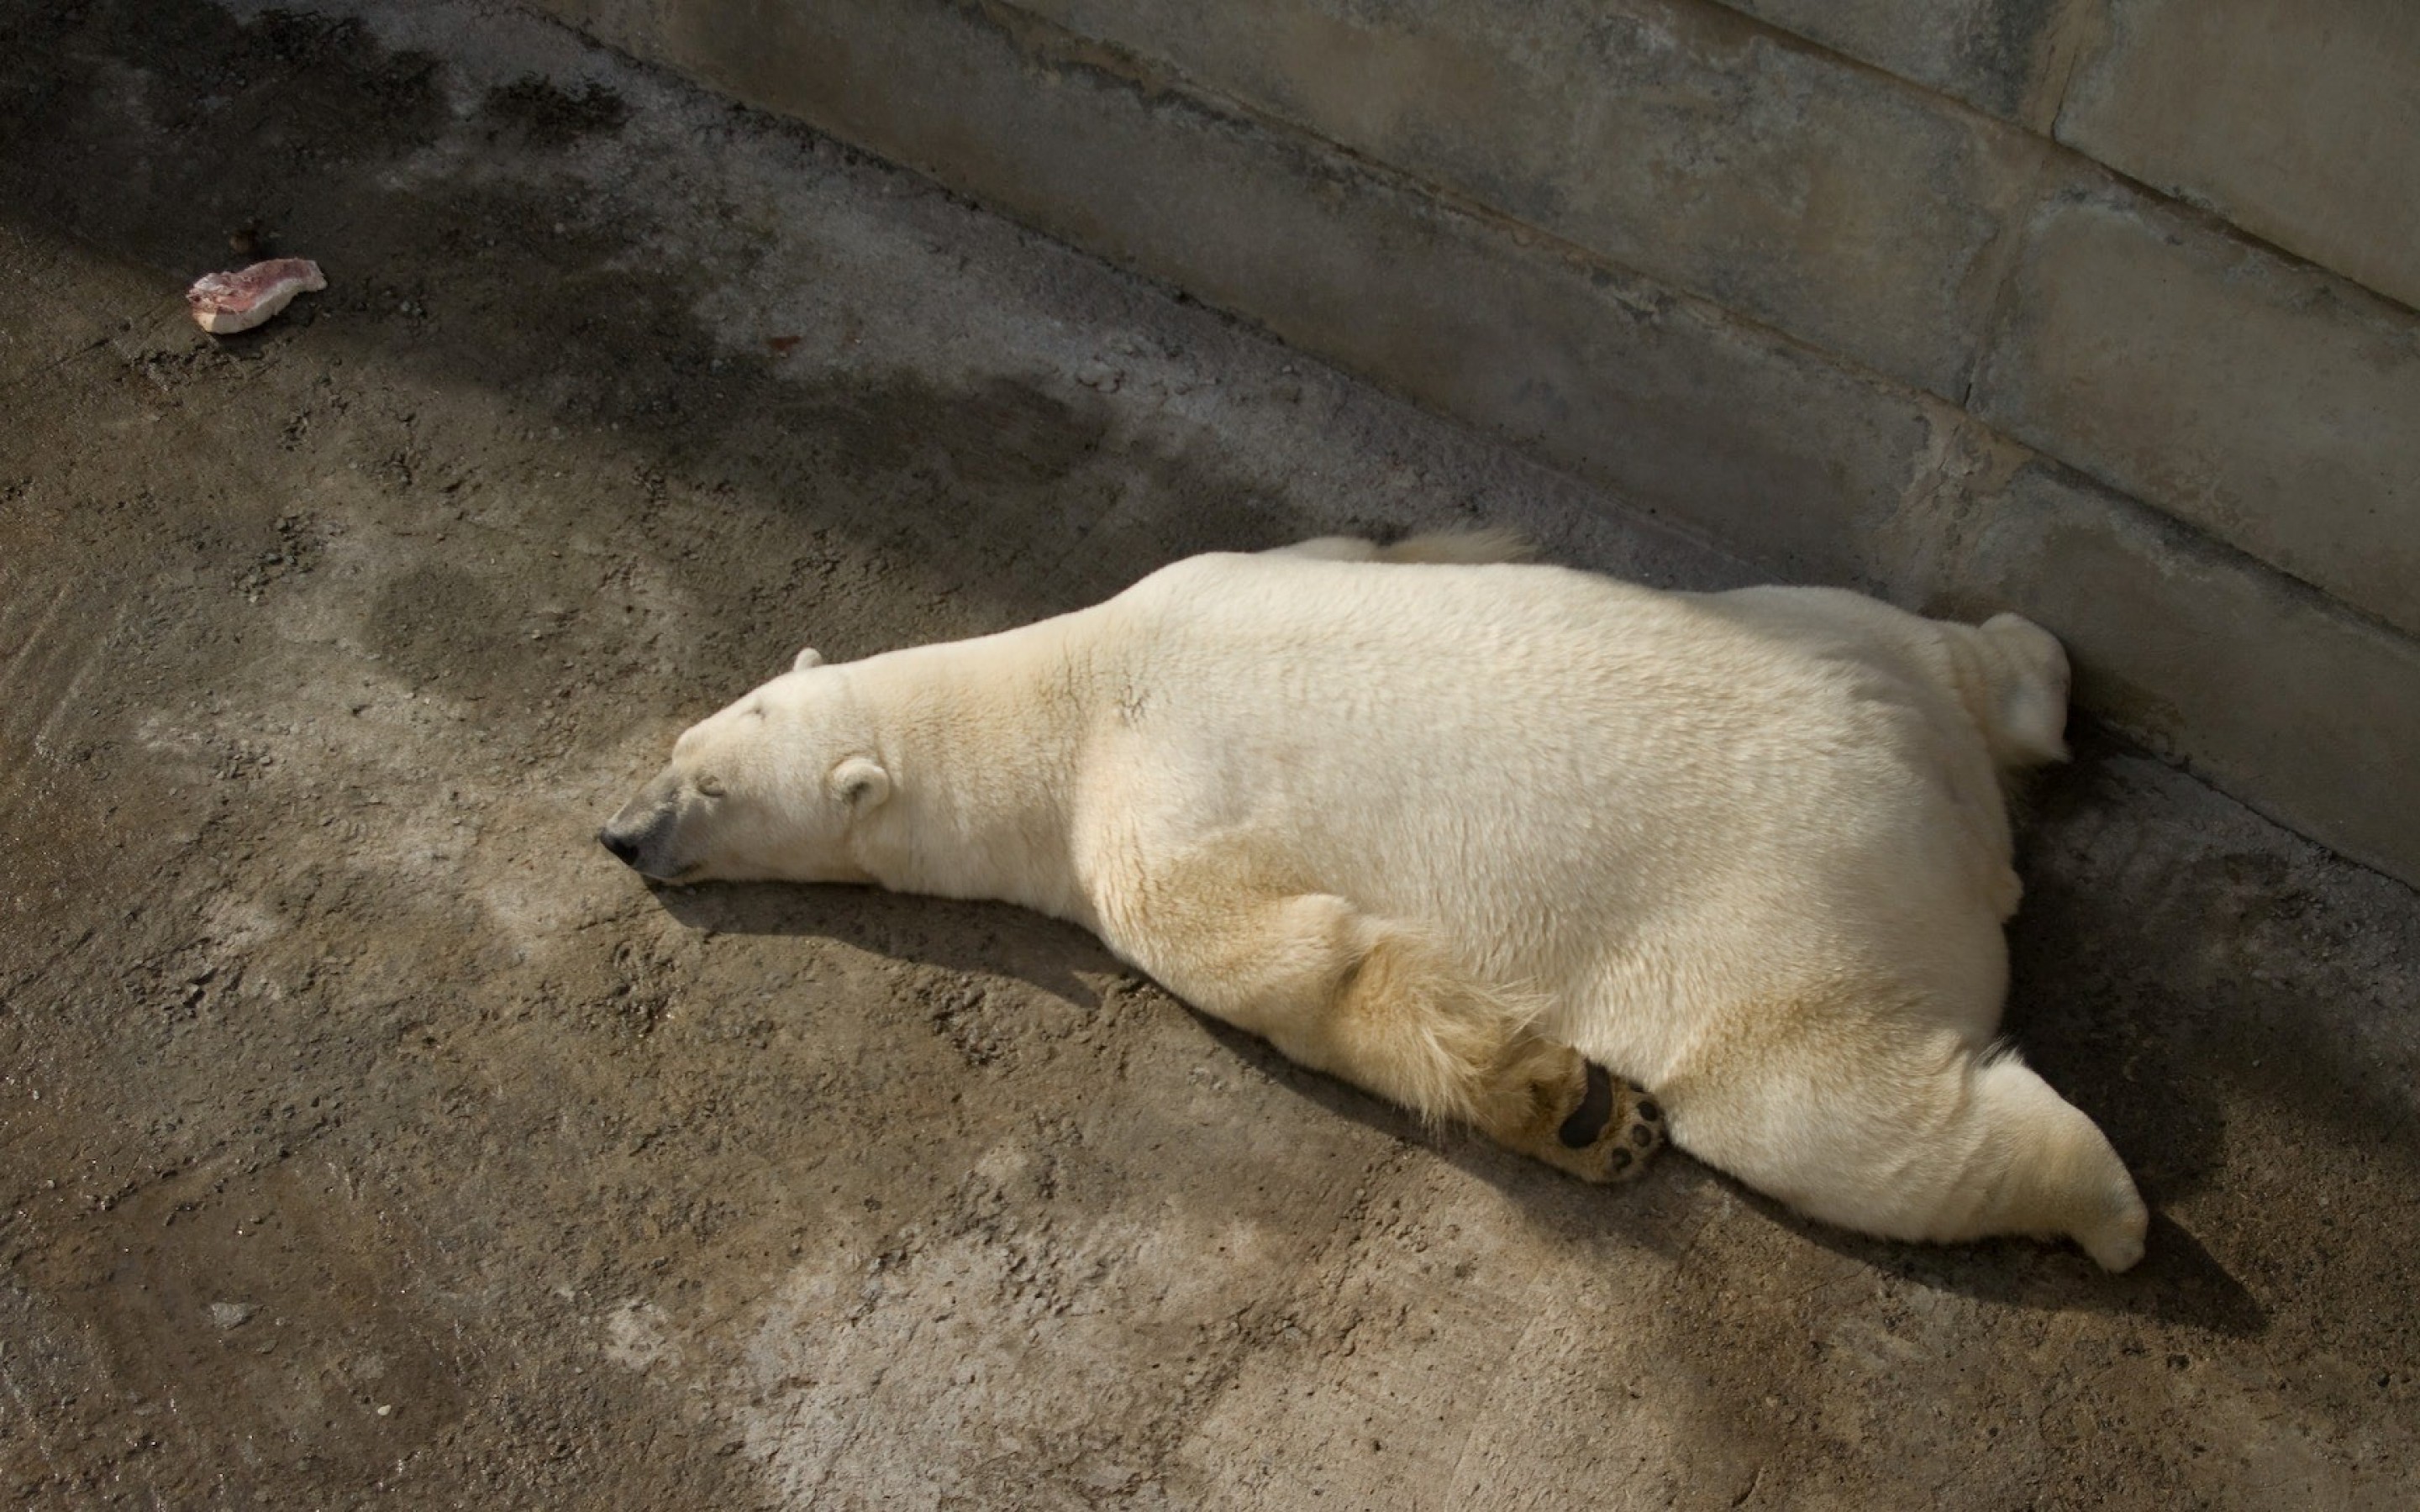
(227, 302)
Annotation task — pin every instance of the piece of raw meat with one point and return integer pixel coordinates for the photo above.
(227, 302)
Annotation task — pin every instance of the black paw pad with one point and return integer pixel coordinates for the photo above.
(1588, 1122)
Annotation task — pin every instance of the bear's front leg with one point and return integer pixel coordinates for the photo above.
(1378, 1005)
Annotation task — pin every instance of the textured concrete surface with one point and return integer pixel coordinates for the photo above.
(366, 1135)
(1675, 140)
(2295, 119)
(2253, 397)
(2011, 57)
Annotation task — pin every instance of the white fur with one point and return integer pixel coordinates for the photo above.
(1749, 850)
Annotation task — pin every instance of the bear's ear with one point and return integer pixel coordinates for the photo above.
(807, 657)
(860, 782)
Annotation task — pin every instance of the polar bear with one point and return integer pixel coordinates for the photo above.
(1474, 833)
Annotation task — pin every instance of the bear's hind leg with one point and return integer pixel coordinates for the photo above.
(1405, 1014)
(1549, 1101)
(1378, 1006)
(1925, 1140)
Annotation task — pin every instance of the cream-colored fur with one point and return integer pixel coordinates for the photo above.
(1446, 826)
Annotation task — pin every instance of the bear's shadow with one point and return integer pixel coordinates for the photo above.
(2180, 1280)
(979, 938)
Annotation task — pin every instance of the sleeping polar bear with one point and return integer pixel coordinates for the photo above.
(1463, 831)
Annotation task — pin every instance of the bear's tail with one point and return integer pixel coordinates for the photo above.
(2021, 703)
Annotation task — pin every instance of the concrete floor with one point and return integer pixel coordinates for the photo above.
(367, 1132)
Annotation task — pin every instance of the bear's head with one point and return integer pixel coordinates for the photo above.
(766, 790)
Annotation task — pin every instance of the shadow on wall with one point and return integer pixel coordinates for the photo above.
(2177, 973)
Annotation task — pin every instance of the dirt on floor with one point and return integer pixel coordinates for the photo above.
(367, 1132)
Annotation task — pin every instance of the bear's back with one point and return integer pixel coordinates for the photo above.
(1554, 761)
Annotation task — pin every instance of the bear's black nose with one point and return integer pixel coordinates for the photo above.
(625, 849)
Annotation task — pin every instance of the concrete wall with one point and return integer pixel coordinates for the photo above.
(2097, 308)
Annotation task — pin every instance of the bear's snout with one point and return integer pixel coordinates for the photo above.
(641, 834)
(625, 849)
